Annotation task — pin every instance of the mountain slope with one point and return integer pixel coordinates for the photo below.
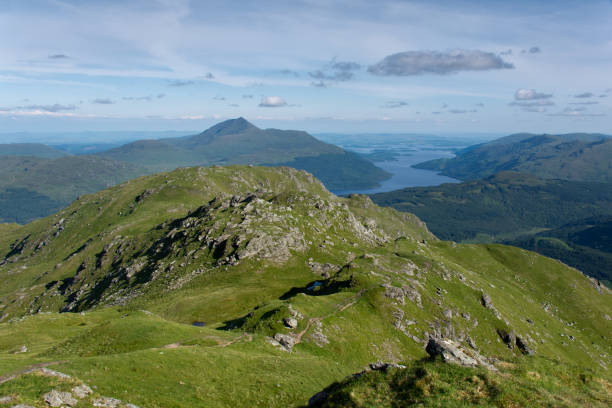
(32, 187)
(576, 156)
(584, 244)
(31, 149)
(237, 141)
(238, 286)
(509, 205)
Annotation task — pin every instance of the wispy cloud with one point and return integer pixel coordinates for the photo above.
(462, 111)
(535, 50)
(334, 71)
(58, 56)
(247, 96)
(103, 101)
(180, 82)
(585, 103)
(272, 102)
(584, 95)
(45, 108)
(438, 62)
(530, 94)
(395, 104)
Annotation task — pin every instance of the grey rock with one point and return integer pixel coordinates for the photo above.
(380, 366)
(106, 402)
(286, 341)
(508, 337)
(6, 399)
(451, 352)
(56, 398)
(523, 347)
(290, 322)
(81, 391)
(486, 300)
(22, 406)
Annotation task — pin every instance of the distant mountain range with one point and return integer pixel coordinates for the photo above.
(36, 179)
(574, 156)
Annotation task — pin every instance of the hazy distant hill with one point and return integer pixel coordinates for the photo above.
(30, 149)
(575, 156)
(32, 187)
(237, 141)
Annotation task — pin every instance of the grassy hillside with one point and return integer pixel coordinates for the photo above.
(238, 286)
(510, 205)
(576, 156)
(31, 149)
(584, 244)
(535, 382)
(32, 187)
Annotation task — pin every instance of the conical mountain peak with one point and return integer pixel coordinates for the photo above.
(230, 126)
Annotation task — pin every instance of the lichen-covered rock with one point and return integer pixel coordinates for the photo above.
(81, 391)
(285, 340)
(56, 398)
(106, 402)
(452, 352)
(290, 322)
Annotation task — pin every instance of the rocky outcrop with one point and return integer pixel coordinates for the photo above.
(452, 352)
(56, 398)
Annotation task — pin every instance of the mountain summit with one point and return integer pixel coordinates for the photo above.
(237, 141)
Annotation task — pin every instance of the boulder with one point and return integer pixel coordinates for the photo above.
(290, 322)
(286, 341)
(56, 398)
(380, 366)
(452, 352)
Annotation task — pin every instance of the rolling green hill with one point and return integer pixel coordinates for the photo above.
(575, 156)
(31, 149)
(254, 286)
(508, 205)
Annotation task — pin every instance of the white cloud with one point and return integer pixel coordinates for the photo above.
(272, 102)
(530, 94)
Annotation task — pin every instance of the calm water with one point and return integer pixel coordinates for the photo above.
(405, 176)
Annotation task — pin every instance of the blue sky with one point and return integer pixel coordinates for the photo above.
(340, 66)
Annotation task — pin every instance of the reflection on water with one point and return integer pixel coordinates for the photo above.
(405, 176)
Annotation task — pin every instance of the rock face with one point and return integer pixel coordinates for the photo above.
(290, 322)
(57, 398)
(286, 341)
(452, 352)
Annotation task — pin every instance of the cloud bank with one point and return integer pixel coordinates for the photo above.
(436, 62)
